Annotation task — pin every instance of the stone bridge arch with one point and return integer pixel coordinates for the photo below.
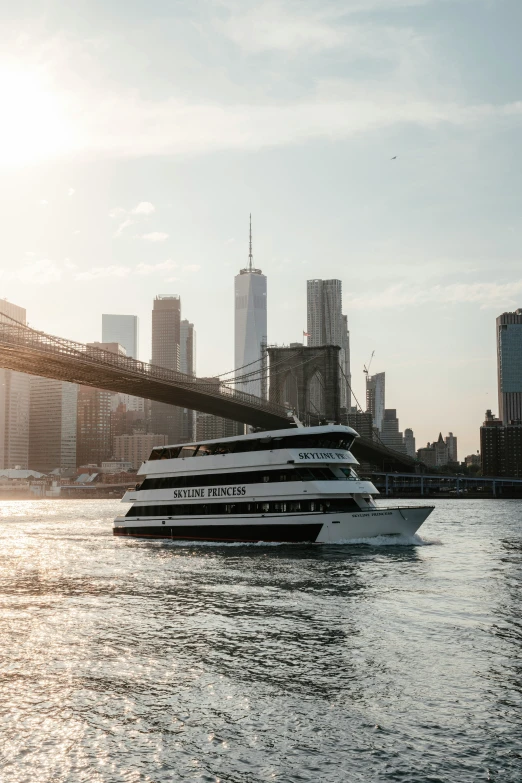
(308, 378)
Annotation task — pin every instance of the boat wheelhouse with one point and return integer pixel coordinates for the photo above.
(292, 485)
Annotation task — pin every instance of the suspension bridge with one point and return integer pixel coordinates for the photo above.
(27, 350)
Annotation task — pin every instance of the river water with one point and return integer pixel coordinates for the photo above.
(133, 661)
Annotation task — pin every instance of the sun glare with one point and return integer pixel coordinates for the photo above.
(33, 122)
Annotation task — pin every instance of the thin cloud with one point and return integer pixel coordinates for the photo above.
(147, 269)
(117, 212)
(123, 271)
(99, 272)
(398, 296)
(143, 208)
(41, 272)
(154, 236)
(71, 192)
(191, 268)
(413, 86)
(121, 228)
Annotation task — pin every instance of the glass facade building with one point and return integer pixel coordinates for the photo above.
(122, 329)
(509, 363)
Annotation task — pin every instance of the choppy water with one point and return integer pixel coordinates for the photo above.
(140, 661)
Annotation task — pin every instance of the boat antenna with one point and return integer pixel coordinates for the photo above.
(250, 247)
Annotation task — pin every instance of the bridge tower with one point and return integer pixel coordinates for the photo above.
(307, 378)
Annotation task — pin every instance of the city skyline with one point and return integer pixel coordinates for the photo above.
(139, 182)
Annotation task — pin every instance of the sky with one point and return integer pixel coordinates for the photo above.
(138, 135)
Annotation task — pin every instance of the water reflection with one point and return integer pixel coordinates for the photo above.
(137, 661)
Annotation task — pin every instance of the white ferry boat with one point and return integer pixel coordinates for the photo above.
(295, 485)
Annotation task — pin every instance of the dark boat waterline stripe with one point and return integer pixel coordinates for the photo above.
(243, 533)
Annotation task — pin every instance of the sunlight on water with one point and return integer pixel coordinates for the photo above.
(396, 658)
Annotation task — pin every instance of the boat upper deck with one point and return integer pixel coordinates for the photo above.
(330, 436)
(330, 443)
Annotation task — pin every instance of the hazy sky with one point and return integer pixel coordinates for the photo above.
(137, 135)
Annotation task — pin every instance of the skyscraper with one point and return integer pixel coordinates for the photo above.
(93, 430)
(166, 331)
(324, 312)
(122, 329)
(451, 443)
(250, 327)
(187, 364)
(14, 404)
(187, 353)
(166, 335)
(326, 325)
(52, 441)
(375, 398)
(346, 387)
(390, 434)
(509, 364)
(409, 443)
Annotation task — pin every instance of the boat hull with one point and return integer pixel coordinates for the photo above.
(318, 528)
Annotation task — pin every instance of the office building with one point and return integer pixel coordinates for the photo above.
(187, 364)
(250, 327)
(427, 455)
(166, 332)
(361, 422)
(390, 435)
(14, 404)
(509, 366)
(210, 427)
(375, 398)
(93, 429)
(132, 404)
(435, 454)
(187, 350)
(324, 312)
(409, 443)
(122, 329)
(52, 425)
(135, 449)
(500, 448)
(451, 443)
(126, 422)
(326, 325)
(166, 337)
(93, 434)
(346, 387)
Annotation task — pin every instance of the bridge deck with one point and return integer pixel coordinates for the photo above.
(37, 353)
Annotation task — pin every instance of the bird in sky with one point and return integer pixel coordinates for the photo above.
(394, 157)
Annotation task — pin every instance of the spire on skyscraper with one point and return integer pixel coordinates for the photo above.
(250, 247)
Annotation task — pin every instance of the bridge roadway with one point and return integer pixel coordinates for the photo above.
(30, 351)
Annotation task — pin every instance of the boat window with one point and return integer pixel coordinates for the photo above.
(349, 473)
(339, 505)
(309, 441)
(247, 477)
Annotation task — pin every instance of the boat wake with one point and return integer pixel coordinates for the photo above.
(376, 541)
(398, 540)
